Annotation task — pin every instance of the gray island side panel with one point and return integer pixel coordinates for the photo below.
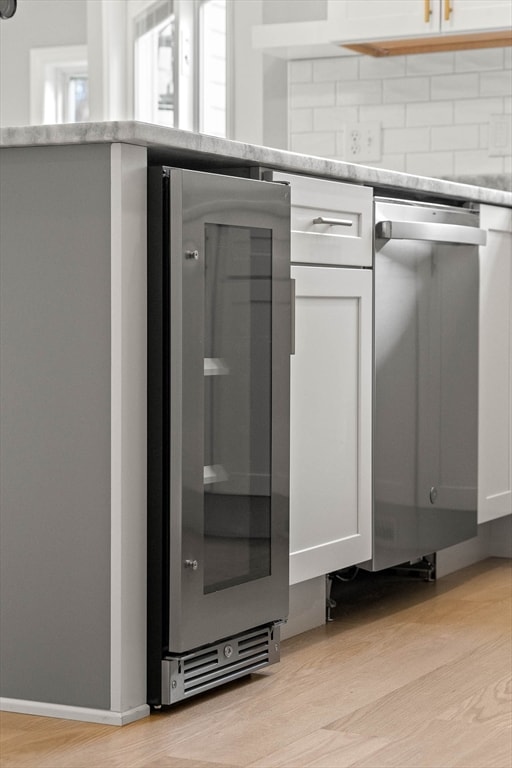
(55, 425)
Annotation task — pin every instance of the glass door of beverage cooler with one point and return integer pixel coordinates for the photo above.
(229, 428)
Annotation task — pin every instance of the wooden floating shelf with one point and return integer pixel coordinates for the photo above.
(433, 44)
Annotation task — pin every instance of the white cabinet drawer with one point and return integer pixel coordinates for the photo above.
(331, 222)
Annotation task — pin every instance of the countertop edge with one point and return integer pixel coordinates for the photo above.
(164, 139)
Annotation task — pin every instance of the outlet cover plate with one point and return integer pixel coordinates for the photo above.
(363, 142)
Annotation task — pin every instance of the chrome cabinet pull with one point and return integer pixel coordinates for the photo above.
(333, 222)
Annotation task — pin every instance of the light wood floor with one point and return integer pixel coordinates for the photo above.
(409, 674)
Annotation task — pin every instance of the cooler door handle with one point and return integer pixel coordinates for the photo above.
(292, 316)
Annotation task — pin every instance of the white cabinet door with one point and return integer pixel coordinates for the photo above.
(331, 401)
(495, 366)
(352, 20)
(475, 15)
(360, 21)
(390, 19)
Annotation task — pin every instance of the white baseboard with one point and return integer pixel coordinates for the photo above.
(88, 715)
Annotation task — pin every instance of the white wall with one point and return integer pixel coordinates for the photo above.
(37, 23)
(245, 70)
(434, 109)
(104, 26)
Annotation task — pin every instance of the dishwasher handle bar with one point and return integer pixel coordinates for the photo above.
(423, 230)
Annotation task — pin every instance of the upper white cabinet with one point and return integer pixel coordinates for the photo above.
(363, 20)
(495, 366)
(353, 20)
(360, 21)
(473, 15)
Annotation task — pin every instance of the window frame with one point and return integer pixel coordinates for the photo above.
(188, 83)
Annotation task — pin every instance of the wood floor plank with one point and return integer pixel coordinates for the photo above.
(442, 745)
(453, 691)
(493, 614)
(322, 749)
(490, 706)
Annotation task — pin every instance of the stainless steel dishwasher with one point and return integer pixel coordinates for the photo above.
(425, 450)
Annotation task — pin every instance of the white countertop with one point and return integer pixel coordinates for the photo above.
(170, 145)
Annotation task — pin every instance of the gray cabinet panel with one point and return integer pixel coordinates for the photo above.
(55, 425)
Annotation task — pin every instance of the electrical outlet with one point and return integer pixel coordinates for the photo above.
(362, 142)
(500, 135)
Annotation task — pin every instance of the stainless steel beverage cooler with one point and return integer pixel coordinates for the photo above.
(219, 340)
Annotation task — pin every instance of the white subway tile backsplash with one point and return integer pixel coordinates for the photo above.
(301, 120)
(496, 83)
(434, 109)
(454, 86)
(476, 110)
(300, 71)
(430, 163)
(430, 113)
(484, 136)
(405, 140)
(478, 60)
(331, 118)
(370, 67)
(332, 70)
(318, 143)
(340, 144)
(351, 92)
(304, 95)
(389, 115)
(430, 63)
(395, 162)
(455, 137)
(474, 162)
(405, 89)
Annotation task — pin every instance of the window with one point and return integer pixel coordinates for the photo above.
(75, 97)
(180, 65)
(212, 109)
(59, 85)
(155, 50)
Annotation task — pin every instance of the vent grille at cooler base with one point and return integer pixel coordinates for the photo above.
(185, 675)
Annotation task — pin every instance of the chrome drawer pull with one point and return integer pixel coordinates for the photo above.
(337, 222)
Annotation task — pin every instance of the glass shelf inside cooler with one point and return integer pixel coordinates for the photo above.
(215, 366)
(214, 473)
